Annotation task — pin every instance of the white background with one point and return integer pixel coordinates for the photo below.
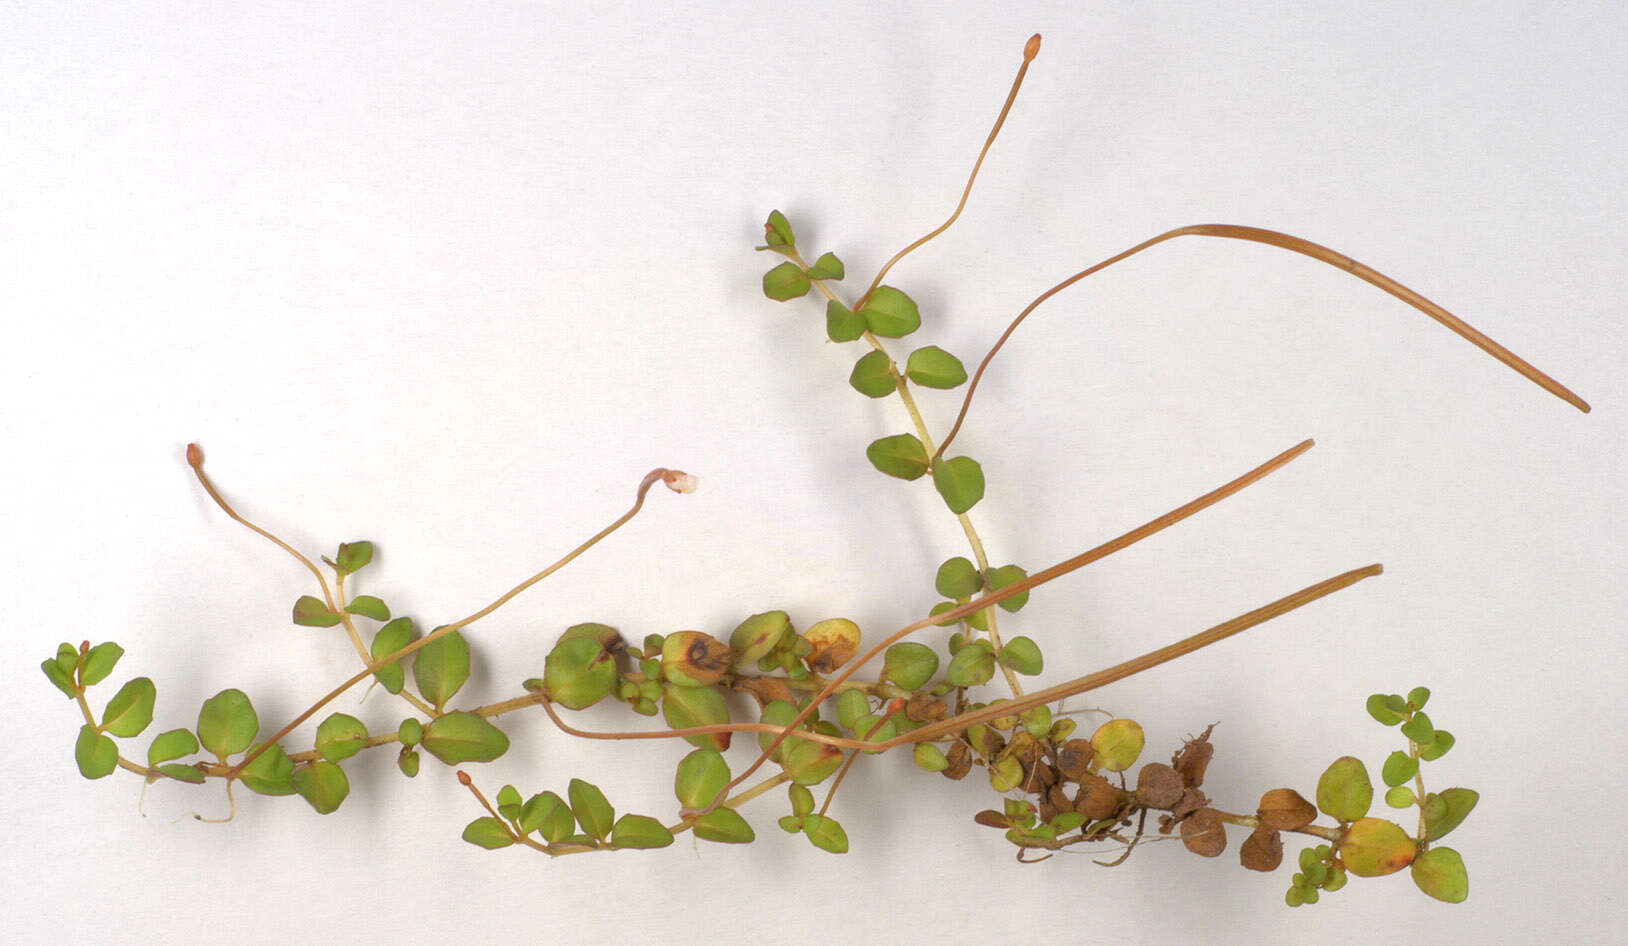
(453, 277)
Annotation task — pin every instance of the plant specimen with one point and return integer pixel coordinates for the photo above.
(821, 700)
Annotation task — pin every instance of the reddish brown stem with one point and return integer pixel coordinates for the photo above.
(1305, 248)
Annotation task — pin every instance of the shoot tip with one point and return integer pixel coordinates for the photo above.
(679, 482)
(1032, 49)
(464, 779)
(194, 456)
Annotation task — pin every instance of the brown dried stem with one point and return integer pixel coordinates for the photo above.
(1305, 248)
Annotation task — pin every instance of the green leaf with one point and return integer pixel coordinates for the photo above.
(684, 707)
(1378, 709)
(1005, 575)
(851, 704)
(311, 612)
(182, 773)
(909, 665)
(353, 556)
(640, 832)
(1440, 873)
(1022, 655)
(67, 658)
(410, 732)
(933, 367)
(227, 723)
(547, 814)
(508, 802)
(391, 638)
(488, 832)
(1400, 797)
(777, 713)
(802, 800)
(701, 776)
(1418, 697)
(323, 785)
(777, 230)
(1117, 744)
(786, 282)
(96, 754)
(171, 745)
(131, 709)
(754, 638)
(725, 826)
(971, 666)
(791, 824)
(960, 480)
(1344, 791)
(843, 324)
(873, 376)
(902, 456)
(579, 672)
(825, 833)
(1419, 729)
(62, 679)
(369, 607)
(929, 757)
(99, 662)
(408, 762)
(1438, 746)
(1455, 804)
(441, 668)
(593, 812)
(463, 737)
(271, 773)
(827, 267)
(958, 578)
(890, 313)
(810, 763)
(1398, 768)
(340, 736)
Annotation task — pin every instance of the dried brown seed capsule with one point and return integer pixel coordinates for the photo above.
(960, 761)
(1096, 798)
(1204, 834)
(1158, 785)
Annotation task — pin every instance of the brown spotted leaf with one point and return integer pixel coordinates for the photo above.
(766, 690)
(1204, 834)
(1074, 759)
(960, 758)
(990, 818)
(1284, 809)
(1158, 785)
(1262, 850)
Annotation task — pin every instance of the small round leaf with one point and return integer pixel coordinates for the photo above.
(1344, 791)
(1440, 873)
(640, 832)
(873, 375)
(96, 754)
(323, 784)
(489, 833)
(902, 456)
(227, 723)
(463, 737)
(933, 367)
(725, 826)
(890, 313)
(131, 709)
(960, 480)
(786, 282)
